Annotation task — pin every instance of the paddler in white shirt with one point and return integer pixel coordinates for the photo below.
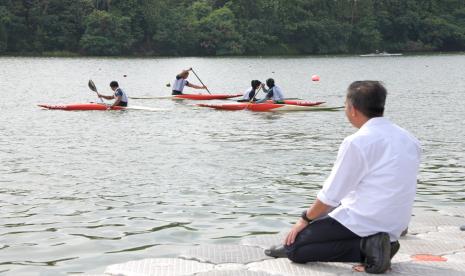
(251, 93)
(273, 92)
(366, 202)
(121, 99)
(181, 81)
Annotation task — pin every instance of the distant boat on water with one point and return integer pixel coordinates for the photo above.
(381, 54)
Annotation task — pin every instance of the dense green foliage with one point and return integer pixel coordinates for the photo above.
(230, 27)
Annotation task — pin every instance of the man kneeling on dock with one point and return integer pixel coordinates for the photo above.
(366, 202)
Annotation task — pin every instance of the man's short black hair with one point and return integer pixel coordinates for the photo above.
(369, 97)
(114, 84)
(255, 84)
(270, 82)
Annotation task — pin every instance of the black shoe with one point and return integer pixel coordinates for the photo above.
(394, 248)
(377, 251)
(276, 251)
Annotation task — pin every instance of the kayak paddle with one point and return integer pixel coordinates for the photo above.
(200, 81)
(94, 88)
(256, 93)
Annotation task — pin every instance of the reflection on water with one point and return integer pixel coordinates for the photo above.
(82, 190)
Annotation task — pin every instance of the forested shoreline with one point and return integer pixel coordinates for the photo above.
(234, 27)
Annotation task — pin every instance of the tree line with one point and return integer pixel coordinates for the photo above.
(230, 27)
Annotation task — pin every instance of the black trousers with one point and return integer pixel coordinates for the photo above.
(325, 240)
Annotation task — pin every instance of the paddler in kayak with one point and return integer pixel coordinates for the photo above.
(250, 93)
(273, 92)
(181, 81)
(120, 96)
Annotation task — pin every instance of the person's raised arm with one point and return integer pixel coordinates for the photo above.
(183, 72)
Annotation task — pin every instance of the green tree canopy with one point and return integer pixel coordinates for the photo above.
(230, 27)
(106, 34)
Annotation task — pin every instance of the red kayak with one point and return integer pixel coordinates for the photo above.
(80, 106)
(96, 106)
(266, 107)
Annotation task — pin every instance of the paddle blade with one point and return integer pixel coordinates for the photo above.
(92, 86)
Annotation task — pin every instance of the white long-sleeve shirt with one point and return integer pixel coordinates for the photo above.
(373, 181)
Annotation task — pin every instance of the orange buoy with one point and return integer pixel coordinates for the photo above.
(315, 78)
(428, 258)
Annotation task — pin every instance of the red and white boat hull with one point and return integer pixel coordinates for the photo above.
(268, 107)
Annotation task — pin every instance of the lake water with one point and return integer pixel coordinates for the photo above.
(83, 190)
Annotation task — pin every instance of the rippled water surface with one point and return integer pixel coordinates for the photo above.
(82, 190)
